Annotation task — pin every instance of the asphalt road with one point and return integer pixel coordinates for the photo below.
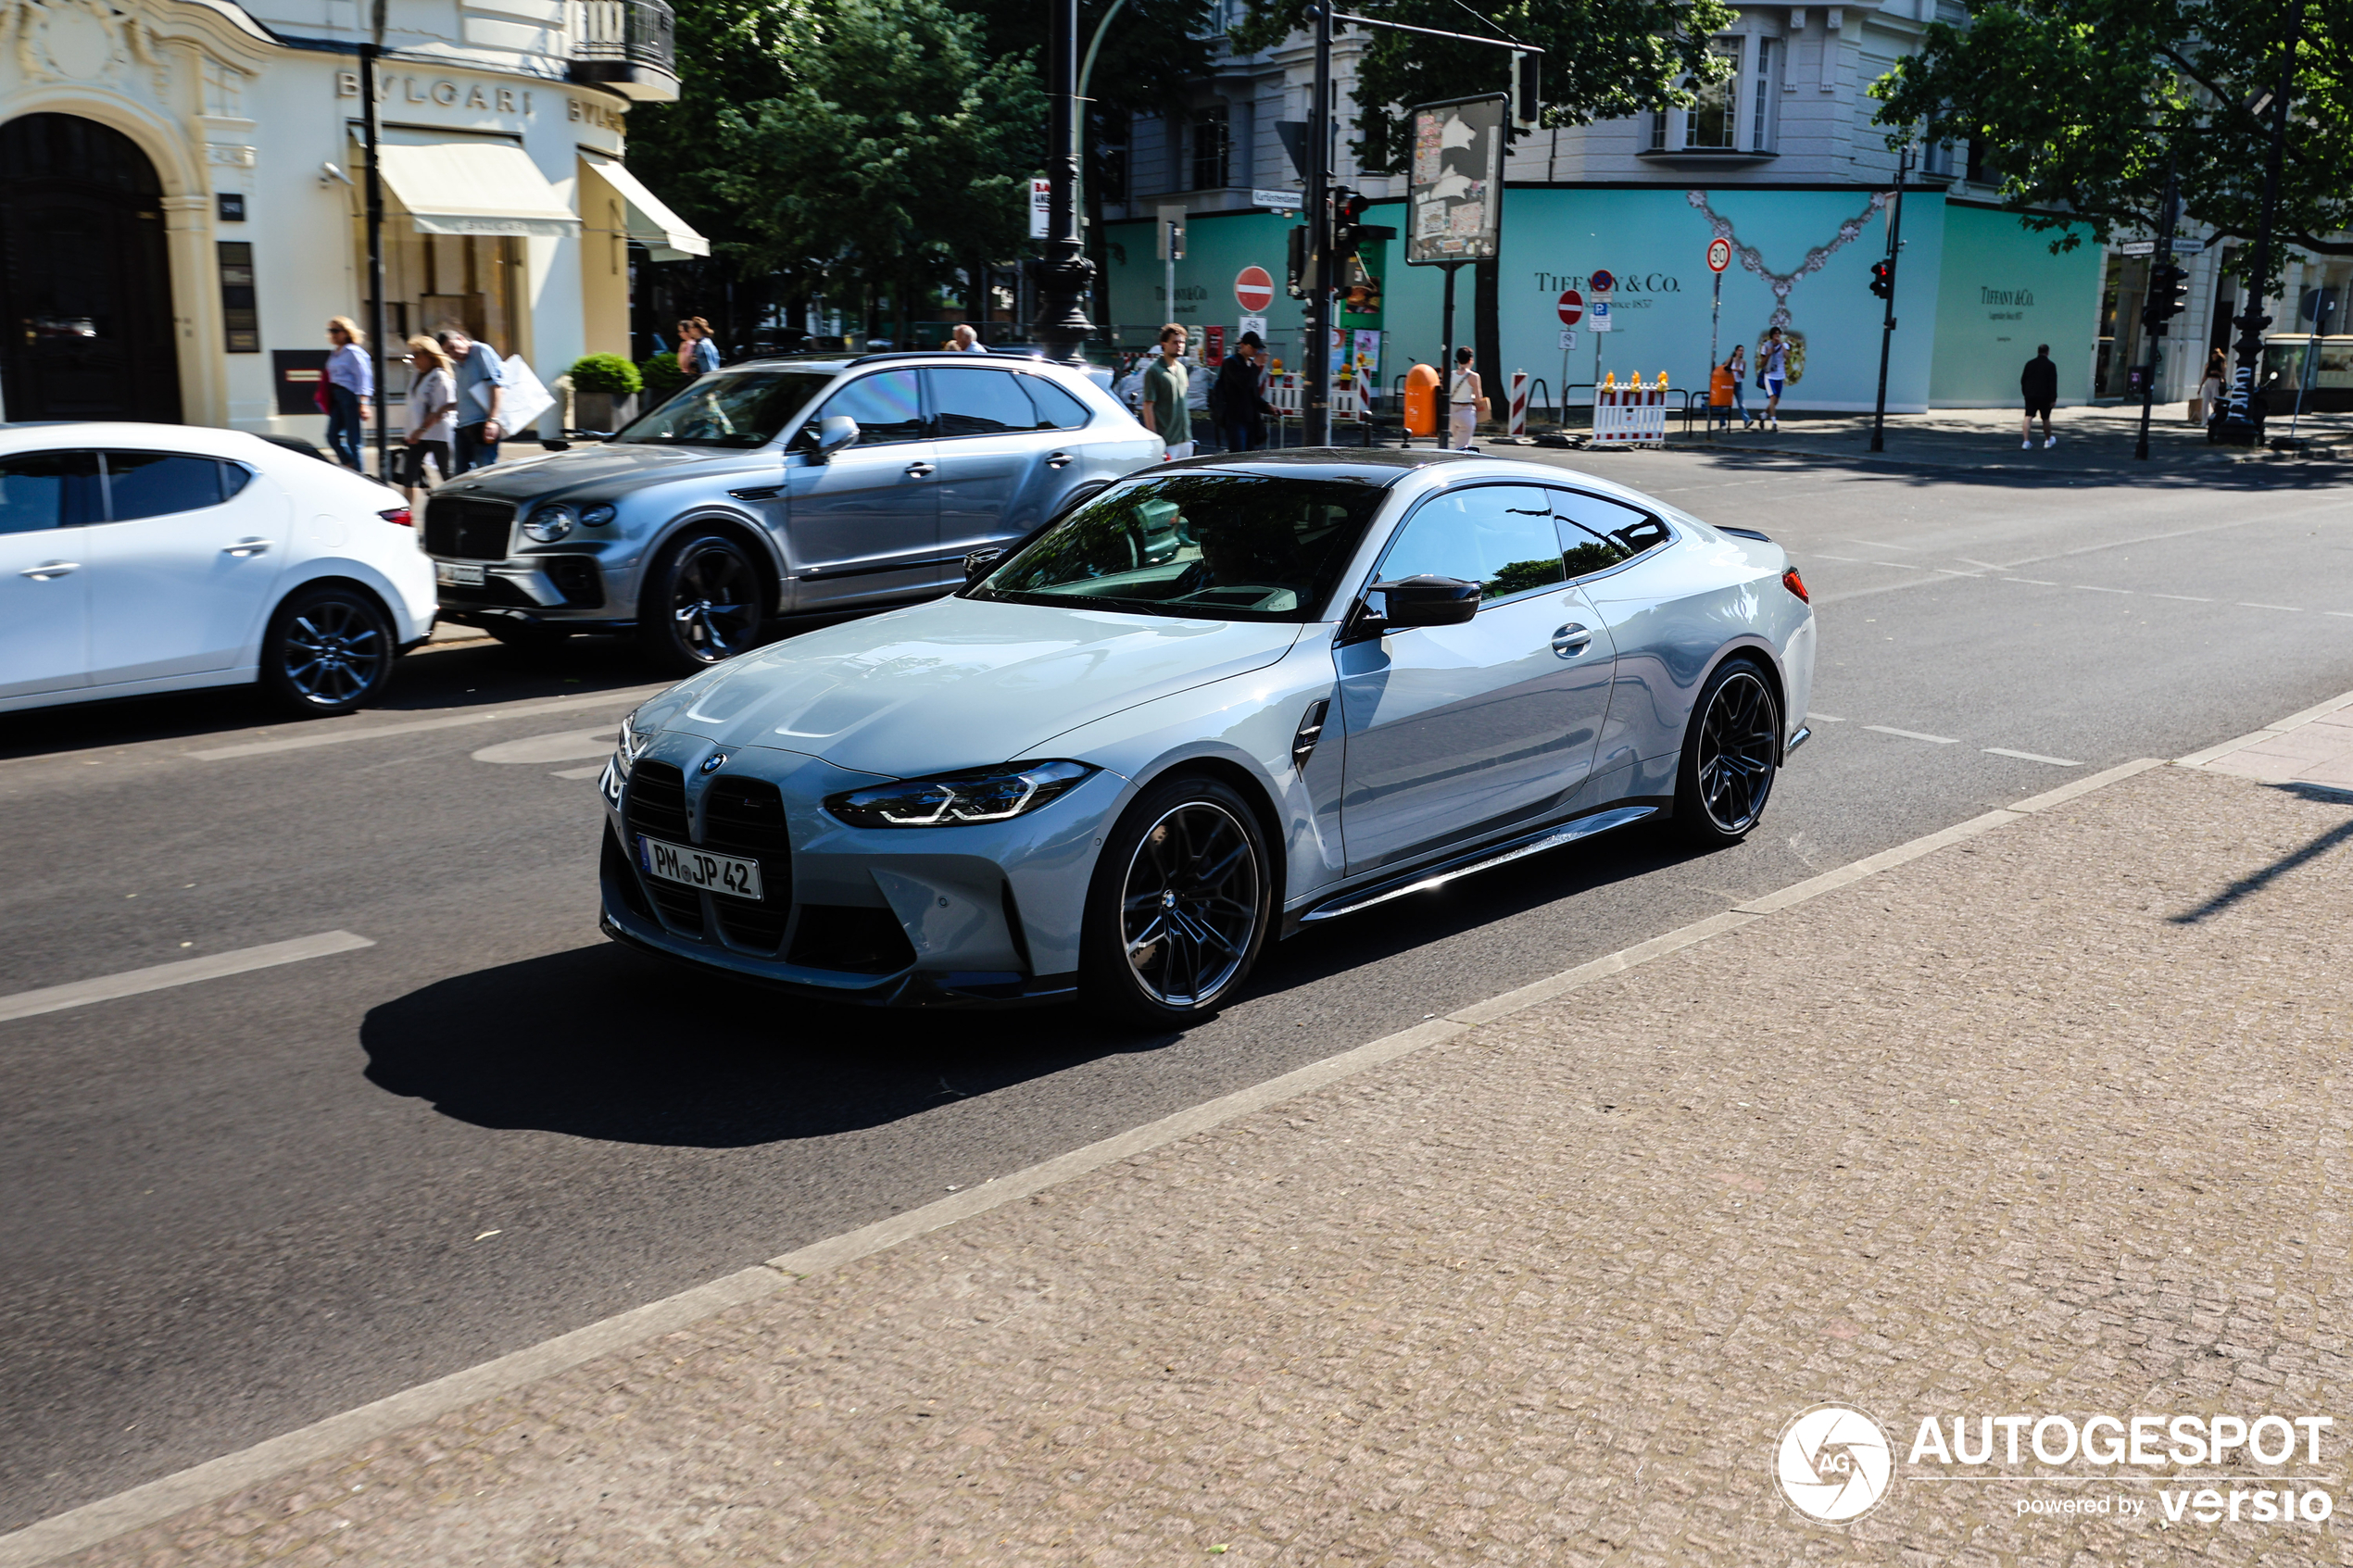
(238, 1205)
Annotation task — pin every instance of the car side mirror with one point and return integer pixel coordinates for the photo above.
(832, 433)
(980, 563)
(1427, 601)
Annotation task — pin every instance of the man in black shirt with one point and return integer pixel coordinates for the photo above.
(1234, 398)
(2039, 382)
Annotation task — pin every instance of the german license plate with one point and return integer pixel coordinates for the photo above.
(458, 576)
(699, 868)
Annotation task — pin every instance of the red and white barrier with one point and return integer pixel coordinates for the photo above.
(1631, 415)
(1520, 404)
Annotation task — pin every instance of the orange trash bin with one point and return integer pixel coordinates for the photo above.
(1421, 401)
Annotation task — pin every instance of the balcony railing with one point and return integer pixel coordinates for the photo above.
(630, 46)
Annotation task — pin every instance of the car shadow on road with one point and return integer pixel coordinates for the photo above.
(603, 1042)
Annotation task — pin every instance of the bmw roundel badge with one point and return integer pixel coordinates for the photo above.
(713, 762)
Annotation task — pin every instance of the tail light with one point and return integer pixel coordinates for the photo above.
(400, 517)
(1796, 585)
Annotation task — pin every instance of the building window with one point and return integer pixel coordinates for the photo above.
(1760, 131)
(1713, 124)
(1212, 146)
(1658, 132)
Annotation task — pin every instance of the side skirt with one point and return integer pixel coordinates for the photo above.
(1463, 864)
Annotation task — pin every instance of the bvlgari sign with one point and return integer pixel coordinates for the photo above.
(486, 97)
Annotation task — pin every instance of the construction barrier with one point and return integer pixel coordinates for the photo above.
(1520, 404)
(1631, 415)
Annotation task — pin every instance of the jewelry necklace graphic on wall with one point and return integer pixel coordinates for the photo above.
(1782, 283)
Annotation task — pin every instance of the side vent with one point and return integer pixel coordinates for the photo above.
(1311, 730)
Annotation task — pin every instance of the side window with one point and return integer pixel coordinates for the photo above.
(886, 405)
(1057, 409)
(973, 401)
(233, 478)
(1597, 534)
(1500, 537)
(157, 484)
(43, 489)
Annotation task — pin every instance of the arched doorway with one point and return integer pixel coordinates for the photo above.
(85, 283)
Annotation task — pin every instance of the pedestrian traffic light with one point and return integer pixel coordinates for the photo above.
(2169, 295)
(1883, 279)
(1348, 218)
(1300, 269)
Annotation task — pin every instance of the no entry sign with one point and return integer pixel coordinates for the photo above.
(1719, 253)
(1254, 290)
(1572, 307)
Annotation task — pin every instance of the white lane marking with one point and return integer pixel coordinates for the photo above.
(2292, 609)
(2188, 599)
(1948, 571)
(2032, 757)
(1851, 560)
(2344, 613)
(1881, 545)
(2038, 582)
(320, 734)
(564, 745)
(160, 1499)
(1914, 734)
(1827, 718)
(2091, 588)
(132, 982)
(589, 772)
(1986, 564)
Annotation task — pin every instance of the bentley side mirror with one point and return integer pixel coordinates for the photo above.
(828, 436)
(1427, 601)
(980, 563)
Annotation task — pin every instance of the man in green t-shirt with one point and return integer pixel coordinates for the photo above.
(1165, 388)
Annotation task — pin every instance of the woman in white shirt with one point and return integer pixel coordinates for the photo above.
(433, 413)
(1463, 401)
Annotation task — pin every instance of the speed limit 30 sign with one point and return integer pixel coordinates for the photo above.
(1719, 253)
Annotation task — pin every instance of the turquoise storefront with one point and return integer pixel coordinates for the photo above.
(1976, 291)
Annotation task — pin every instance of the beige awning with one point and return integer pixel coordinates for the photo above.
(650, 222)
(479, 187)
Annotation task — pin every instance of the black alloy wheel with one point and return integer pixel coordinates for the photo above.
(1731, 756)
(329, 650)
(1180, 904)
(701, 605)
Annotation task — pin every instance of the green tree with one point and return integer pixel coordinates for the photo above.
(2078, 105)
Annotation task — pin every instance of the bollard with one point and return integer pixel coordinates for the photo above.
(1518, 427)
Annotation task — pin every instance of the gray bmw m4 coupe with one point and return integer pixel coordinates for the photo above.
(1220, 701)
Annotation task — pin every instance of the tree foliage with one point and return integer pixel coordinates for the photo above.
(848, 143)
(1604, 59)
(2079, 103)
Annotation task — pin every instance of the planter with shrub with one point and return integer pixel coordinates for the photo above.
(604, 391)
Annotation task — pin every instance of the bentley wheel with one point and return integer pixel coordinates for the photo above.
(328, 651)
(1180, 907)
(701, 605)
(1730, 757)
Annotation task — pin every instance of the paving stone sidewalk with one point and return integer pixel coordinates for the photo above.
(2049, 1119)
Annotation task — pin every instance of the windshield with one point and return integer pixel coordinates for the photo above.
(1217, 546)
(729, 409)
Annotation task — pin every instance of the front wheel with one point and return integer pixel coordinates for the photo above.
(701, 605)
(328, 651)
(1179, 906)
(1731, 755)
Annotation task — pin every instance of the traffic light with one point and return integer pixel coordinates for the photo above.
(1300, 281)
(1348, 215)
(2169, 295)
(1883, 279)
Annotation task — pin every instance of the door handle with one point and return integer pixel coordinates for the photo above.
(920, 470)
(1058, 460)
(1572, 640)
(245, 548)
(49, 569)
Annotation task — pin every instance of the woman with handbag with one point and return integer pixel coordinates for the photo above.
(1466, 403)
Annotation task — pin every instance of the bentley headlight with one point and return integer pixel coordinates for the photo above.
(986, 795)
(635, 739)
(596, 516)
(547, 524)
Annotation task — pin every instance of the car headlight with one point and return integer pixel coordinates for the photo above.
(635, 739)
(597, 515)
(547, 524)
(987, 795)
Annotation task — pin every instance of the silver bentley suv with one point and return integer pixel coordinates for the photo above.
(794, 486)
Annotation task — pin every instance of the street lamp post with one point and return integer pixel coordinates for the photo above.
(370, 137)
(1315, 397)
(2241, 424)
(1063, 275)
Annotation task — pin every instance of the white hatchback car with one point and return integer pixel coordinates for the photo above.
(148, 557)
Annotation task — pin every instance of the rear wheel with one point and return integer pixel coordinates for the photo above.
(329, 650)
(701, 605)
(1731, 755)
(1180, 905)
